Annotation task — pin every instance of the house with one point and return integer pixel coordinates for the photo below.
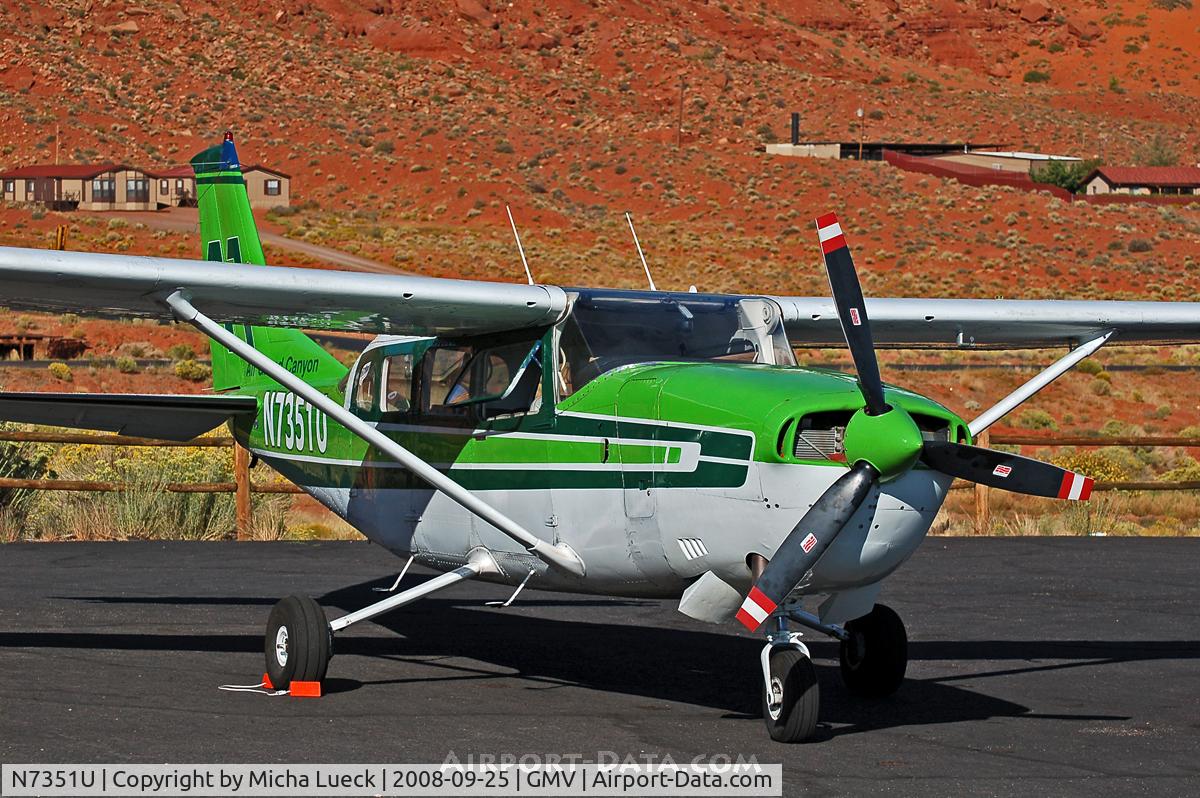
(175, 187)
(90, 187)
(268, 188)
(1005, 161)
(118, 187)
(1143, 180)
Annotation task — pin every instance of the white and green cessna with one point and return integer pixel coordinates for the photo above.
(626, 443)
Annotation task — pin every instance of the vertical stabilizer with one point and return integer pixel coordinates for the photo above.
(228, 234)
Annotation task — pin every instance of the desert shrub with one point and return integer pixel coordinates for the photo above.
(1158, 151)
(1036, 419)
(61, 371)
(127, 365)
(180, 352)
(192, 371)
(18, 462)
(1186, 471)
(1098, 465)
(1140, 245)
(1036, 76)
(385, 147)
(1100, 387)
(1171, 5)
(1068, 175)
(1089, 366)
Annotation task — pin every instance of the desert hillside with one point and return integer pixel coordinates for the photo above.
(408, 125)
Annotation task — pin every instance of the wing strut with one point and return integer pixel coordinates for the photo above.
(559, 555)
(1047, 376)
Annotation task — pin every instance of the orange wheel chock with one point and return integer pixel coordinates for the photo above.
(305, 690)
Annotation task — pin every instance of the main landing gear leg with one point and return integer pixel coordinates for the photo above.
(875, 653)
(874, 650)
(299, 641)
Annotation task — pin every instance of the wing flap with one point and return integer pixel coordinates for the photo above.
(271, 296)
(168, 417)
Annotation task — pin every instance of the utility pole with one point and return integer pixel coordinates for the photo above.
(861, 126)
(56, 137)
(679, 136)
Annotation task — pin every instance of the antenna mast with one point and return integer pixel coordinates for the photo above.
(520, 248)
(641, 255)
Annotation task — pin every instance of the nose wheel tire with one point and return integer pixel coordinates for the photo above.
(875, 654)
(297, 642)
(792, 699)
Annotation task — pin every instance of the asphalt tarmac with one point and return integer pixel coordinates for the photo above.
(1038, 667)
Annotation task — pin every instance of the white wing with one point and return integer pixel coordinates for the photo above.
(997, 323)
(127, 285)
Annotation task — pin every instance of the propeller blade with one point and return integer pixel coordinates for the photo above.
(1006, 471)
(805, 544)
(852, 310)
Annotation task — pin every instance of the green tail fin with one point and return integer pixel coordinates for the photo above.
(228, 234)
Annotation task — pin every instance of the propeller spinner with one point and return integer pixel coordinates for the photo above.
(882, 442)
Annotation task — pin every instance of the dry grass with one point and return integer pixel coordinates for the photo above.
(1111, 513)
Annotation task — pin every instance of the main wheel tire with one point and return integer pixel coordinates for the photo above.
(297, 642)
(875, 656)
(791, 714)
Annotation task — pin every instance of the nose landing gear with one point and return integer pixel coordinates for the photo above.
(874, 658)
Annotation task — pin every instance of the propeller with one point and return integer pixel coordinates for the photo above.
(882, 442)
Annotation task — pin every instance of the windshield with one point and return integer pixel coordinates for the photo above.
(610, 329)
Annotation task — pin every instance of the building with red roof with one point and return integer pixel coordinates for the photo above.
(1143, 180)
(119, 187)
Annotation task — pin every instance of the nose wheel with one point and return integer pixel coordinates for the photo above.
(791, 696)
(297, 642)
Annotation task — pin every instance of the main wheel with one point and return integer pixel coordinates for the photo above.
(297, 643)
(795, 697)
(875, 656)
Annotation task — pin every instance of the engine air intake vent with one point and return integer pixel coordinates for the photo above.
(819, 436)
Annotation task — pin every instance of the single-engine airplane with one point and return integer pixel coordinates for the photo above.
(622, 443)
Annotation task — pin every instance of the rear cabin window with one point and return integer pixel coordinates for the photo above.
(398, 383)
(364, 388)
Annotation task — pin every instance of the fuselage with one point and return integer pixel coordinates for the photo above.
(654, 472)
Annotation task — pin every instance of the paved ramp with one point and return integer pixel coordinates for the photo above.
(1039, 667)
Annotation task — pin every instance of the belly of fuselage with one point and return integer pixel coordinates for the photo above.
(655, 548)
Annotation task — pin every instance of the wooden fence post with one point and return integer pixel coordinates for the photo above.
(241, 478)
(983, 513)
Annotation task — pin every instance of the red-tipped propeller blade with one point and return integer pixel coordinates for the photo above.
(1006, 471)
(852, 310)
(807, 541)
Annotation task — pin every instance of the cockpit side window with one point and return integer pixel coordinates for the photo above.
(483, 379)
